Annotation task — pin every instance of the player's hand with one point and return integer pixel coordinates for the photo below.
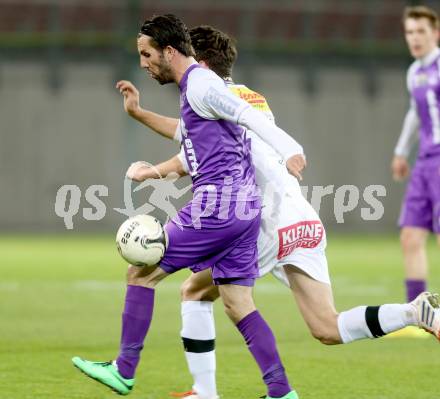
(131, 96)
(138, 171)
(295, 165)
(399, 168)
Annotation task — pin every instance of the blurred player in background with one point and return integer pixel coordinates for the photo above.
(291, 242)
(226, 204)
(420, 212)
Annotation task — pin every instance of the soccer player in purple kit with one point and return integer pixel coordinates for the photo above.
(420, 212)
(304, 269)
(223, 235)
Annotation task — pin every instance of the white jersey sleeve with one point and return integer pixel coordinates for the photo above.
(182, 159)
(209, 97)
(178, 133)
(256, 121)
(408, 135)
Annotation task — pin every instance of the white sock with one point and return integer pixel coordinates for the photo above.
(396, 316)
(198, 335)
(353, 325)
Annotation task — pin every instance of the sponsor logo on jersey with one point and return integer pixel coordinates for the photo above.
(253, 98)
(221, 102)
(191, 156)
(421, 79)
(307, 234)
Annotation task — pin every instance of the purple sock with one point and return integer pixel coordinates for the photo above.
(136, 319)
(414, 288)
(261, 342)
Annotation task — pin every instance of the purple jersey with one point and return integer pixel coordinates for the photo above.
(219, 227)
(421, 206)
(214, 147)
(214, 152)
(424, 86)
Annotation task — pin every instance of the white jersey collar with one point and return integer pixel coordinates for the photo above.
(429, 58)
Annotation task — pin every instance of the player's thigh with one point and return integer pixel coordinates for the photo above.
(438, 239)
(314, 298)
(416, 211)
(413, 238)
(199, 287)
(237, 300)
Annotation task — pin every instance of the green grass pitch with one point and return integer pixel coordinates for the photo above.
(63, 296)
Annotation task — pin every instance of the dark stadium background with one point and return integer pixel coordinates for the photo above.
(332, 70)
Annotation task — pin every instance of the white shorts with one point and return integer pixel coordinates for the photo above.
(292, 234)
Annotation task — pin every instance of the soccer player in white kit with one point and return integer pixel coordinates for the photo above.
(291, 243)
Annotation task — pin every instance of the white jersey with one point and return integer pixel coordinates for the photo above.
(291, 231)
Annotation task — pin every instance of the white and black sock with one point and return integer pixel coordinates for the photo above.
(198, 336)
(374, 321)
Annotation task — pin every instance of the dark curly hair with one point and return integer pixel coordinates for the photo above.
(214, 47)
(168, 30)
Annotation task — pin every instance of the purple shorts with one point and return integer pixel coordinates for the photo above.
(227, 246)
(421, 205)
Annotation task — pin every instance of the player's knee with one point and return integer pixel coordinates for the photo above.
(231, 313)
(132, 273)
(232, 310)
(189, 291)
(192, 291)
(326, 330)
(238, 311)
(143, 276)
(235, 313)
(410, 241)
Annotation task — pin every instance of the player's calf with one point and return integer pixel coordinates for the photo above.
(258, 337)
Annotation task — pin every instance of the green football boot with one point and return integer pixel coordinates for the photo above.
(105, 373)
(290, 395)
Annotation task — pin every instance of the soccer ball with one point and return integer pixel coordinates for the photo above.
(142, 240)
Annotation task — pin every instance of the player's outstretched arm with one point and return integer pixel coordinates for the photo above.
(283, 143)
(140, 170)
(209, 98)
(163, 125)
(399, 165)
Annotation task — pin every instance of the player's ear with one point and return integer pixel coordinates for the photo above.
(169, 53)
(203, 64)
